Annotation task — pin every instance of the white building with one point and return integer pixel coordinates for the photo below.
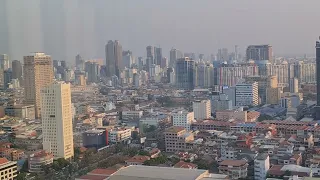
(247, 94)
(202, 109)
(119, 135)
(132, 114)
(56, 113)
(261, 166)
(8, 169)
(183, 119)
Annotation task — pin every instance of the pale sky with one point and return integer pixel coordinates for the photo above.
(63, 28)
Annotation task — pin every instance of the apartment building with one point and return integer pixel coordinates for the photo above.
(183, 119)
(38, 160)
(235, 169)
(176, 139)
(261, 166)
(8, 169)
(202, 109)
(119, 135)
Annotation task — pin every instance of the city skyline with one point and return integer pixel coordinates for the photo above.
(86, 27)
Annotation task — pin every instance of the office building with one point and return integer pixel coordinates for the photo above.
(16, 70)
(223, 55)
(37, 73)
(8, 169)
(272, 91)
(184, 70)
(157, 55)
(113, 58)
(183, 119)
(80, 78)
(261, 166)
(4, 62)
(175, 54)
(247, 94)
(119, 135)
(231, 94)
(79, 63)
(127, 59)
(150, 53)
(57, 120)
(95, 138)
(20, 111)
(7, 76)
(93, 72)
(202, 109)
(37, 160)
(259, 53)
(164, 63)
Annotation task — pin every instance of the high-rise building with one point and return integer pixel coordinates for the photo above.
(79, 63)
(16, 70)
(202, 109)
(150, 53)
(113, 58)
(4, 61)
(183, 119)
(7, 74)
(127, 59)
(37, 73)
(247, 94)
(203, 75)
(272, 91)
(175, 54)
(223, 54)
(318, 79)
(80, 78)
(294, 85)
(56, 110)
(93, 71)
(164, 62)
(158, 55)
(259, 52)
(184, 73)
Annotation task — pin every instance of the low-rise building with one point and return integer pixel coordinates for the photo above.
(126, 115)
(137, 160)
(234, 168)
(183, 119)
(21, 111)
(8, 169)
(176, 139)
(119, 135)
(38, 160)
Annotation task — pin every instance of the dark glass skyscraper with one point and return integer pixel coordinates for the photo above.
(184, 73)
(317, 108)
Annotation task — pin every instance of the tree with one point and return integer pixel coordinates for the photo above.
(143, 153)
(22, 176)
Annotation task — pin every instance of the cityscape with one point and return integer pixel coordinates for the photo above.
(244, 112)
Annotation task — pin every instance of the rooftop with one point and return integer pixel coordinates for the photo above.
(157, 173)
(233, 163)
(175, 129)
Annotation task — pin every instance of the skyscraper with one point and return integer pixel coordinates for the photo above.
(17, 70)
(175, 54)
(113, 58)
(158, 55)
(93, 70)
(150, 53)
(247, 94)
(57, 119)
(184, 73)
(38, 73)
(7, 76)
(259, 52)
(317, 108)
(4, 62)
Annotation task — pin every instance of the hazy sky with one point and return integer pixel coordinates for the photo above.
(63, 28)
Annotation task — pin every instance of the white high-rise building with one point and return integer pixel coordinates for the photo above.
(183, 119)
(4, 62)
(261, 166)
(202, 109)
(247, 94)
(56, 110)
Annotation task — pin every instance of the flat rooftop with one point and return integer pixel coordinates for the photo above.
(156, 173)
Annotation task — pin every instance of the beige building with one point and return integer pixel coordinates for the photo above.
(272, 92)
(183, 119)
(234, 168)
(119, 135)
(237, 115)
(56, 113)
(202, 109)
(8, 169)
(37, 73)
(176, 139)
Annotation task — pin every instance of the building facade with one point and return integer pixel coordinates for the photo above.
(184, 70)
(37, 73)
(202, 109)
(57, 120)
(247, 94)
(183, 119)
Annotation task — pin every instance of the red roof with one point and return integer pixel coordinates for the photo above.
(92, 177)
(186, 165)
(102, 172)
(3, 160)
